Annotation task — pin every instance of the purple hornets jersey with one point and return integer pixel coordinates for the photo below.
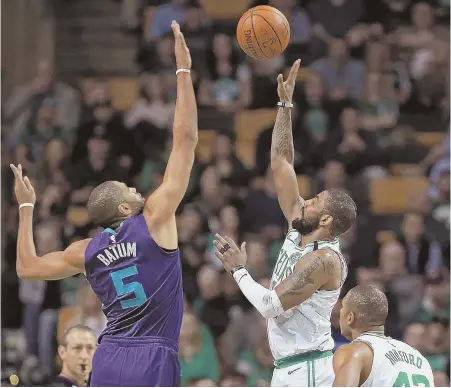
(138, 283)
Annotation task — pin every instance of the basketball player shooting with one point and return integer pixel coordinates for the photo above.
(134, 264)
(310, 269)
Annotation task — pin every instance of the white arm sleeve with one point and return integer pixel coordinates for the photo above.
(265, 301)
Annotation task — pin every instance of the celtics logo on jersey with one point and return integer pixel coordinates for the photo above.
(284, 266)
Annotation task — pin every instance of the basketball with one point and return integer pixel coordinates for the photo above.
(263, 32)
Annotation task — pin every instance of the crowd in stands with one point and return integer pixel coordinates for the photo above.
(371, 115)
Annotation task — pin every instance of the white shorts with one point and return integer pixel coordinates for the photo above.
(314, 373)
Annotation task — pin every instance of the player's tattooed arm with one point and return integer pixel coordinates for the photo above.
(314, 271)
(282, 150)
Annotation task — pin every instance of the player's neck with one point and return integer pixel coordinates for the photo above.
(317, 235)
(374, 330)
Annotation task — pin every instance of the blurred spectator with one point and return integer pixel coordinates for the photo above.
(23, 105)
(88, 310)
(106, 123)
(379, 111)
(435, 302)
(164, 15)
(257, 363)
(437, 345)
(197, 352)
(336, 19)
(254, 219)
(423, 256)
(35, 136)
(356, 148)
(228, 86)
(95, 169)
(407, 289)
(42, 300)
(343, 77)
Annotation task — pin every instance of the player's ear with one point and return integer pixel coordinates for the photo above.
(350, 319)
(325, 221)
(61, 352)
(125, 209)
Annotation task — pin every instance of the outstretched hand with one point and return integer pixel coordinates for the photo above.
(23, 188)
(228, 252)
(285, 89)
(182, 54)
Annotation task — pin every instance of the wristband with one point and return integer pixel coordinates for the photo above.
(283, 104)
(237, 268)
(182, 71)
(26, 204)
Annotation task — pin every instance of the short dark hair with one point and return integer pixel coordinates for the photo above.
(343, 210)
(369, 304)
(83, 328)
(103, 203)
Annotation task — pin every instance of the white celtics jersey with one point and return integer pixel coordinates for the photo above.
(304, 328)
(396, 364)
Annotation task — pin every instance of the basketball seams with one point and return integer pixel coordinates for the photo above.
(266, 8)
(255, 35)
(240, 34)
(275, 33)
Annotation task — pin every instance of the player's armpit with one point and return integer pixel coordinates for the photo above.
(54, 265)
(312, 272)
(352, 364)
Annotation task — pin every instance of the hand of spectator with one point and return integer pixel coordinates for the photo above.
(228, 252)
(23, 188)
(285, 89)
(182, 54)
(320, 32)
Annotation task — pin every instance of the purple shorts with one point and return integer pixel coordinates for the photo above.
(136, 362)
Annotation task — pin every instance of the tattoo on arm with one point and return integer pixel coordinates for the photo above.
(303, 277)
(282, 136)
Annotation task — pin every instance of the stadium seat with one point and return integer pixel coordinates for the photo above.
(205, 143)
(305, 186)
(430, 139)
(391, 195)
(148, 15)
(404, 169)
(385, 236)
(124, 91)
(226, 9)
(248, 125)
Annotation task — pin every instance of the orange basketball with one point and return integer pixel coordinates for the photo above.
(263, 32)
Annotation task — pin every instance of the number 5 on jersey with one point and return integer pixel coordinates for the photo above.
(135, 288)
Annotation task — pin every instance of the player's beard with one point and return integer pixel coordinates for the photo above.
(304, 225)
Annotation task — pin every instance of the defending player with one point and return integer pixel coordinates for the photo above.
(310, 269)
(134, 264)
(372, 359)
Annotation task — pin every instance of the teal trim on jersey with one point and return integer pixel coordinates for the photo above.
(308, 373)
(110, 231)
(296, 359)
(313, 372)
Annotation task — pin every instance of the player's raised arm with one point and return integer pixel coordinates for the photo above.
(352, 364)
(53, 266)
(163, 203)
(282, 149)
(316, 270)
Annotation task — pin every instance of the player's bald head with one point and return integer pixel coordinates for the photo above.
(369, 305)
